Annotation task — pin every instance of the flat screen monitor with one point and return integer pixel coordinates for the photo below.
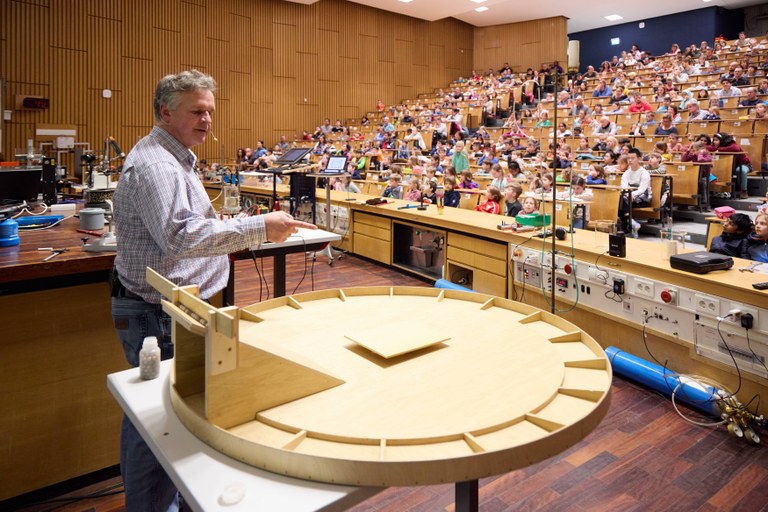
(292, 156)
(20, 183)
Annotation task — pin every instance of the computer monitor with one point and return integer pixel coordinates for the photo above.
(336, 165)
(292, 156)
(20, 183)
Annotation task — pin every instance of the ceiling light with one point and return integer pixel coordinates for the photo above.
(478, 1)
(406, 1)
(707, 0)
(613, 17)
(481, 9)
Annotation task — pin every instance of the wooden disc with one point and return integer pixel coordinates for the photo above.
(481, 386)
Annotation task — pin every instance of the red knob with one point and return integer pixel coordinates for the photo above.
(568, 269)
(666, 295)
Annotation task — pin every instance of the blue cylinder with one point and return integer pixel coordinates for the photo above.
(9, 233)
(665, 381)
(442, 283)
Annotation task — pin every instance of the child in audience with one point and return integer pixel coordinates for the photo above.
(415, 165)
(512, 204)
(394, 189)
(546, 185)
(530, 205)
(414, 190)
(429, 192)
(577, 191)
(596, 175)
(466, 180)
(452, 197)
(757, 242)
(515, 172)
(491, 203)
(450, 172)
(654, 164)
(347, 185)
(430, 174)
(498, 177)
(733, 241)
(662, 148)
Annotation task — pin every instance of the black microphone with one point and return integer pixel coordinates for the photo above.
(116, 148)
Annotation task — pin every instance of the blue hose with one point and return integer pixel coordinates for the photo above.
(664, 381)
(442, 283)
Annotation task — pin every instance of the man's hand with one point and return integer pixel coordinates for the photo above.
(280, 226)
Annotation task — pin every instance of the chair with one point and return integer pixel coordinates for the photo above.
(660, 202)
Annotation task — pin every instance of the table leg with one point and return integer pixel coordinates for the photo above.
(467, 496)
(279, 277)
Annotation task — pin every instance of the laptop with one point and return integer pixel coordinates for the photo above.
(336, 165)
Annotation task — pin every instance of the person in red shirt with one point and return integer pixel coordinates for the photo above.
(491, 203)
(639, 105)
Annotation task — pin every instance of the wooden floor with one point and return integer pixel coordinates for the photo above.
(642, 457)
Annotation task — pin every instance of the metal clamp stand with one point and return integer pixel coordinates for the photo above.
(329, 252)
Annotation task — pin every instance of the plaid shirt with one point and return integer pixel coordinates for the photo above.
(164, 220)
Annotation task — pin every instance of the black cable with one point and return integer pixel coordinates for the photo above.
(730, 353)
(262, 279)
(305, 267)
(749, 346)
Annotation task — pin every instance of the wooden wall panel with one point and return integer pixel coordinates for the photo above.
(266, 55)
(523, 45)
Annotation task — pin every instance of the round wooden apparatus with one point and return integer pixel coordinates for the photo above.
(389, 386)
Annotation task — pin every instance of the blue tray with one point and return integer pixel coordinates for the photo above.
(39, 221)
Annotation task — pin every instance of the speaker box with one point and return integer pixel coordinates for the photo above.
(617, 245)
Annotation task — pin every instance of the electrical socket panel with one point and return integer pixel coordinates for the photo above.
(707, 304)
(642, 287)
(598, 276)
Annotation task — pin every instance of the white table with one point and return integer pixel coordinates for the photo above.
(306, 240)
(202, 474)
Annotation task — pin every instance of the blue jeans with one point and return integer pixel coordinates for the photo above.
(740, 175)
(147, 486)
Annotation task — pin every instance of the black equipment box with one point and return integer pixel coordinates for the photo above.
(700, 262)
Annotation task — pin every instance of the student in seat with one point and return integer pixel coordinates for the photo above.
(757, 243)
(491, 203)
(734, 239)
(512, 193)
(452, 197)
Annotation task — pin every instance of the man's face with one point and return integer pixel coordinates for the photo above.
(190, 121)
(632, 160)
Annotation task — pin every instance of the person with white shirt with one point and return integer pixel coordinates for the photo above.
(639, 179)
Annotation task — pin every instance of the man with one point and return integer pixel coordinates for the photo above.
(739, 80)
(606, 126)
(727, 90)
(639, 105)
(579, 106)
(387, 125)
(166, 221)
(602, 90)
(750, 98)
(695, 113)
(284, 144)
(591, 73)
